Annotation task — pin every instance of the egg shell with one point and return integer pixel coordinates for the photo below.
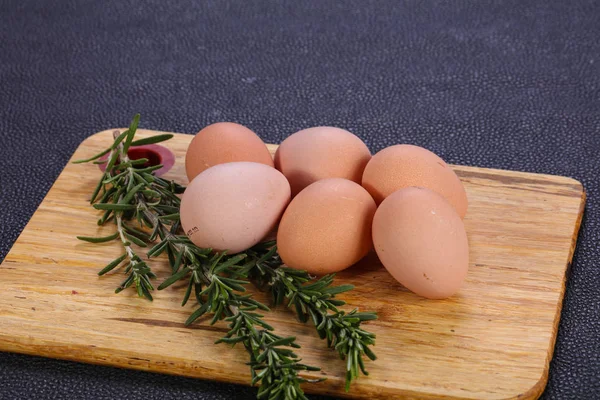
(319, 153)
(421, 241)
(233, 206)
(405, 165)
(221, 143)
(327, 227)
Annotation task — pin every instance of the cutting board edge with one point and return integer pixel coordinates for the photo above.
(537, 390)
(83, 354)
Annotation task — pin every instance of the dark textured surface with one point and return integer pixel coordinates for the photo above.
(511, 84)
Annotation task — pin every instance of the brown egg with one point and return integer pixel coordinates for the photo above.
(321, 152)
(405, 165)
(327, 227)
(221, 143)
(233, 206)
(421, 241)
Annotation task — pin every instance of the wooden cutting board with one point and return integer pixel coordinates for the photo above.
(494, 340)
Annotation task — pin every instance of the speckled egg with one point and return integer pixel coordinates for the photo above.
(233, 206)
(405, 165)
(221, 143)
(422, 242)
(327, 227)
(321, 152)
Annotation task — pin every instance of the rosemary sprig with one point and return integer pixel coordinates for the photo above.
(272, 362)
(127, 192)
(315, 300)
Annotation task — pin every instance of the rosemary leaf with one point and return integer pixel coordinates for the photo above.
(92, 158)
(129, 196)
(197, 314)
(158, 249)
(150, 169)
(169, 217)
(101, 239)
(96, 191)
(188, 292)
(118, 140)
(112, 265)
(114, 155)
(152, 139)
(137, 233)
(135, 240)
(338, 289)
(114, 207)
(131, 132)
(174, 278)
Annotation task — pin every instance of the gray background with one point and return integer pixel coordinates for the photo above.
(504, 84)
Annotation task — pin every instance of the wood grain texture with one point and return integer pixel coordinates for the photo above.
(494, 340)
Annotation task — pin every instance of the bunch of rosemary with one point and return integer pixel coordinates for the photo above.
(145, 211)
